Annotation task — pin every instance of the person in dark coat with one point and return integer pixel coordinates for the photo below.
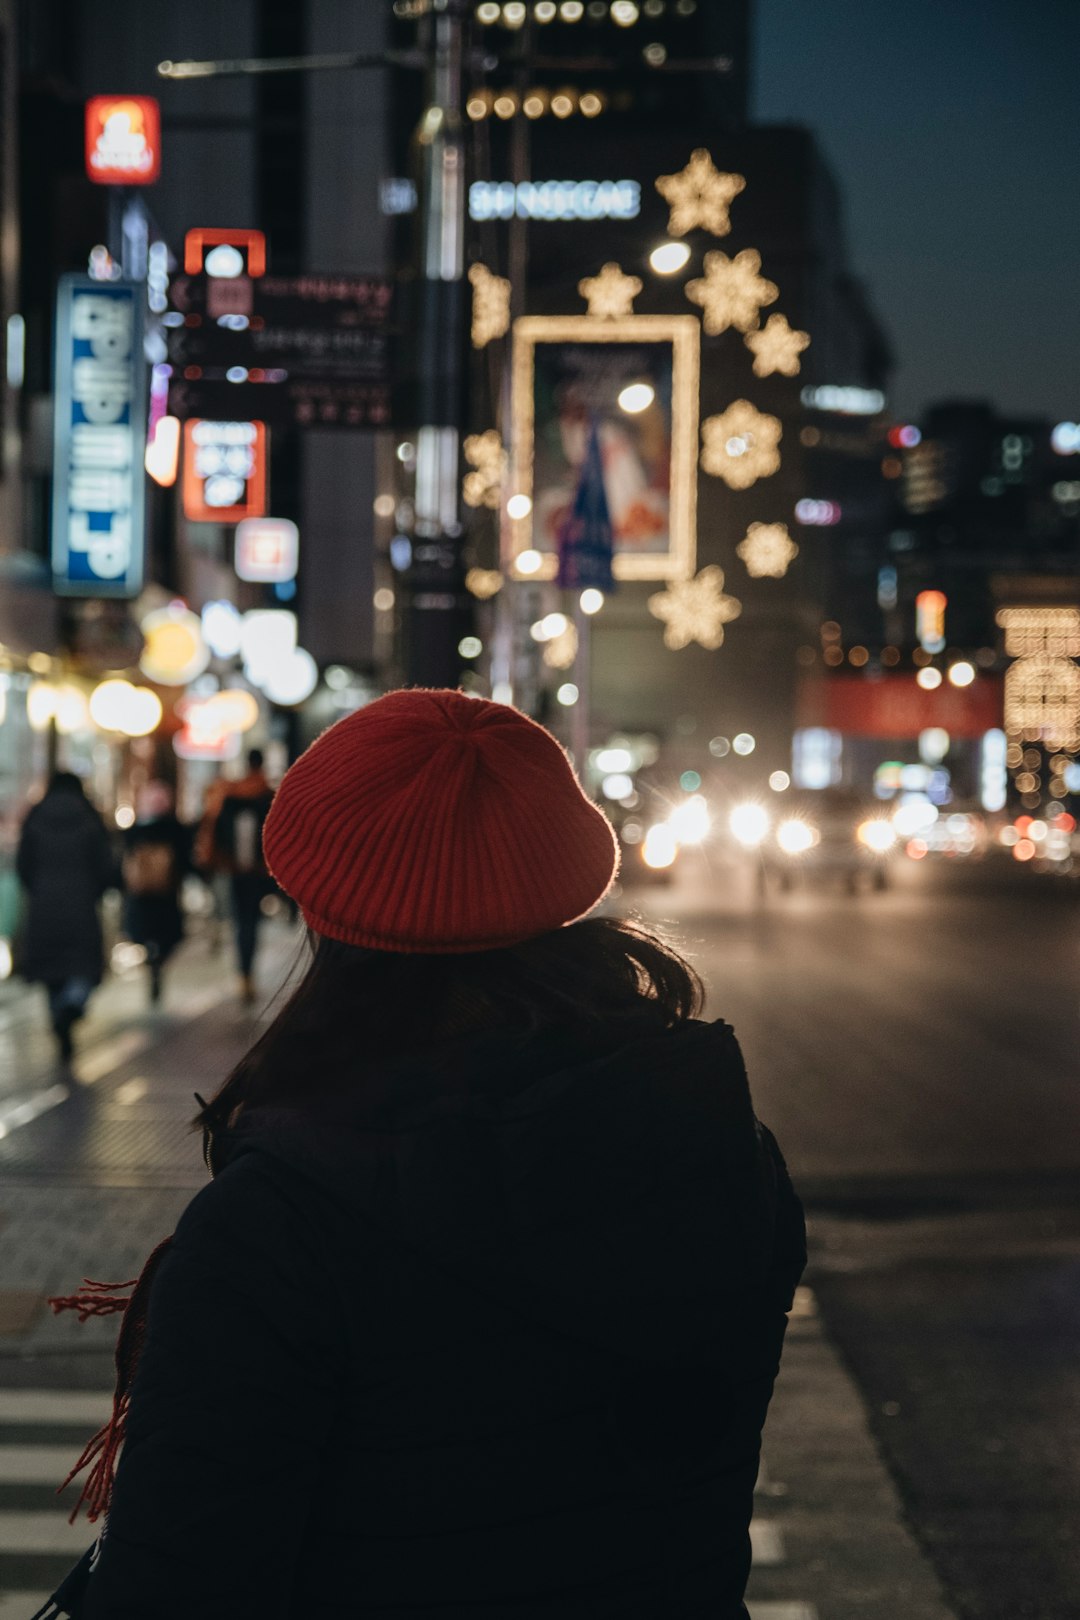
(157, 858)
(481, 1311)
(230, 841)
(65, 864)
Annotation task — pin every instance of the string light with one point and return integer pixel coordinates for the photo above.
(700, 196)
(777, 347)
(732, 291)
(695, 609)
(767, 550)
(491, 305)
(740, 445)
(485, 454)
(610, 294)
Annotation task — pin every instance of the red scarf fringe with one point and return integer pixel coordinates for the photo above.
(102, 1299)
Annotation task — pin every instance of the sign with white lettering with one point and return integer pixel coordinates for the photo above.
(555, 199)
(99, 434)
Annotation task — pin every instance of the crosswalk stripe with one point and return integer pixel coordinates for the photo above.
(35, 1465)
(766, 1542)
(75, 1406)
(44, 1532)
(20, 1605)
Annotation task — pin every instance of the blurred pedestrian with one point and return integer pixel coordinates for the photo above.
(65, 864)
(230, 842)
(157, 858)
(487, 1294)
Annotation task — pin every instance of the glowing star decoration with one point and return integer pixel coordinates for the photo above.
(485, 454)
(610, 294)
(490, 305)
(732, 291)
(767, 550)
(777, 347)
(484, 583)
(740, 445)
(700, 196)
(695, 610)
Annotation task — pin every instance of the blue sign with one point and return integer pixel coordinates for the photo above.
(586, 539)
(99, 438)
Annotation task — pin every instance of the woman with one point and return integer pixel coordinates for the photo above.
(481, 1312)
(65, 864)
(157, 858)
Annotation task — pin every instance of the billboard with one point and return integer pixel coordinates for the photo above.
(224, 471)
(635, 380)
(99, 438)
(123, 140)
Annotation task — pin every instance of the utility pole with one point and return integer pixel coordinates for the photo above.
(437, 600)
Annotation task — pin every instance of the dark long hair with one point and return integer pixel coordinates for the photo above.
(355, 1007)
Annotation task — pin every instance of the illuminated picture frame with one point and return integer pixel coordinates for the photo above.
(658, 513)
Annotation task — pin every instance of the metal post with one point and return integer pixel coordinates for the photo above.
(580, 714)
(436, 612)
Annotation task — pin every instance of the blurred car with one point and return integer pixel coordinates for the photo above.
(828, 834)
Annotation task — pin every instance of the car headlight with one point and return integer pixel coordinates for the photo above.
(749, 823)
(660, 847)
(796, 837)
(877, 835)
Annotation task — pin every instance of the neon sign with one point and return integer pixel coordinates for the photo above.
(554, 199)
(99, 434)
(123, 140)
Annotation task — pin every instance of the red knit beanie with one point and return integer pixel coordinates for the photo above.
(433, 822)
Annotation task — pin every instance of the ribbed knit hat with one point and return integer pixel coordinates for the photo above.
(431, 822)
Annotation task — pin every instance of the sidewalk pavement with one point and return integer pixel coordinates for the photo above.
(93, 1175)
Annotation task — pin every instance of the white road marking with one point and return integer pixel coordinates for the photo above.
(804, 1303)
(35, 1465)
(44, 1533)
(75, 1406)
(133, 1090)
(766, 1542)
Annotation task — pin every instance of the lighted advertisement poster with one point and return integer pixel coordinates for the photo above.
(99, 435)
(637, 378)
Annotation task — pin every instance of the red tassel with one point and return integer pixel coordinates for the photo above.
(102, 1299)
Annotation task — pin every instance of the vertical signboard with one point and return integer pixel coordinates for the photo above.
(123, 140)
(99, 435)
(224, 471)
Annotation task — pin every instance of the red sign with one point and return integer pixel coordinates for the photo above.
(224, 471)
(200, 243)
(123, 140)
(896, 708)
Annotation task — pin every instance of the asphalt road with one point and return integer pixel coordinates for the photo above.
(918, 1055)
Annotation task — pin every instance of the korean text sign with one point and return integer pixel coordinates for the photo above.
(99, 436)
(123, 140)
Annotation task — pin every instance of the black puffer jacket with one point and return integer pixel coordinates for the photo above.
(65, 863)
(502, 1347)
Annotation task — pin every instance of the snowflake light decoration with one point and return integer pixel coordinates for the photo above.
(695, 610)
(483, 583)
(732, 291)
(767, 550)
(485, 454)
(700, 195)
(610, 294)
(740, 445)
(490, 305)
(777, 347)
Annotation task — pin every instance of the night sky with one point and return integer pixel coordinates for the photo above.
(954, 129)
